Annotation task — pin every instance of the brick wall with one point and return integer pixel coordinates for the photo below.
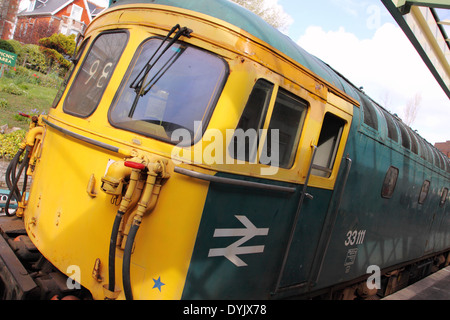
(8, 12)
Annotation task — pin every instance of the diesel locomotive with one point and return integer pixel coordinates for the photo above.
(194, 152)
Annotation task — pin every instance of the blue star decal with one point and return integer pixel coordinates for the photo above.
(158, 284)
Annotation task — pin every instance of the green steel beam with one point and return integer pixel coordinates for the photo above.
(421, 29)
(443, 4)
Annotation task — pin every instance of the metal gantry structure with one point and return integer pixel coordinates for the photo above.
(420, 21)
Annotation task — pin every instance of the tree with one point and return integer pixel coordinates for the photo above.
(411, 108)
(270, 11)
(57, 48)
(63, 44)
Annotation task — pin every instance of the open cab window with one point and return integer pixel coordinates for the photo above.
(287, 120)
(327, 147)
(278, 147)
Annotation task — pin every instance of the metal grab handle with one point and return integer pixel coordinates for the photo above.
(231, 181)
(297, 214)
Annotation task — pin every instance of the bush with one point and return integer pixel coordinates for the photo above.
(16, 45)
(5, 45)
(10, 142)
(23, 76)
(12, 88)
(3, 104)
(33, 58)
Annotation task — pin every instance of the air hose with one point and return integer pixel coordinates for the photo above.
(11, 172)
(144, 205)
(12, 179)
(112, 251)
(127, 259)
(124, 205)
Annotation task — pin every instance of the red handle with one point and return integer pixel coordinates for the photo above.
(134, 165)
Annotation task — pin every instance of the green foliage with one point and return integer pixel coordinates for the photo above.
(10, 142)
(57, 49)
(3, 104)
(65, 45)
(54, 56)
(22, 75)
(12, 88)
(33, 58)
(16, 45)
(5, 45)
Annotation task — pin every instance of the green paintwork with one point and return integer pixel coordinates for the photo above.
(396, 230)
(217, 277)
(444, 4)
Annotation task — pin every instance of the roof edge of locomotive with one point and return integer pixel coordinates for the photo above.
(253, 24)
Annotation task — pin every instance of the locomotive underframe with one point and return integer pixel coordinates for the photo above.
(25, 274)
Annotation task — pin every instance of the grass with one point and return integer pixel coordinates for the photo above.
(25, 92)
(18, 95)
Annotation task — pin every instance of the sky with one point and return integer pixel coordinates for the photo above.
(361, 40)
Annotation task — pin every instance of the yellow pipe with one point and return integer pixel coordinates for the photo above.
(112, 181)
(148, 199)
(32, 135)
(126, 200)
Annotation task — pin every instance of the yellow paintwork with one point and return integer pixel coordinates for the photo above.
(69, 218)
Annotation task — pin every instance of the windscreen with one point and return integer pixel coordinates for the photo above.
(163, 93)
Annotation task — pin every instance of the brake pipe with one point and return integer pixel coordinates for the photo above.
(136, 169)
(12, 179)
(154, 169)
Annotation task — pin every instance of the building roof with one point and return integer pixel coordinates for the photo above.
(46, 7)
(51, 7)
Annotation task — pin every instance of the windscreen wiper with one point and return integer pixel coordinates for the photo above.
(139, 82)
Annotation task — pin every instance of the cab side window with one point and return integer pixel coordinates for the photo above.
(287, 120)
(327, 146)
(244, 143)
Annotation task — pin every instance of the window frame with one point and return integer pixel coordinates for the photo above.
(389, 184)
(269, 117)
(74, 64)
(80, 69)
(76, 12)
(444, 195)
(424, 192)
(249, 157)
(334, 150)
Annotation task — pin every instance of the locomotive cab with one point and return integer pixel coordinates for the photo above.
(184, 151)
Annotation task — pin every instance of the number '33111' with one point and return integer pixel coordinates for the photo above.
(354, 237)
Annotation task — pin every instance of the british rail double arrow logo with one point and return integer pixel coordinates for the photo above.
(233, 250)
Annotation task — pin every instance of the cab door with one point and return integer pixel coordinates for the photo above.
(259, 228)
(314, 203)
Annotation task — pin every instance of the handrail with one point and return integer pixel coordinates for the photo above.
(232, 181)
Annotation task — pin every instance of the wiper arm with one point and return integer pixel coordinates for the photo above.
(148, 66)
(158, 75)
(140, 80)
